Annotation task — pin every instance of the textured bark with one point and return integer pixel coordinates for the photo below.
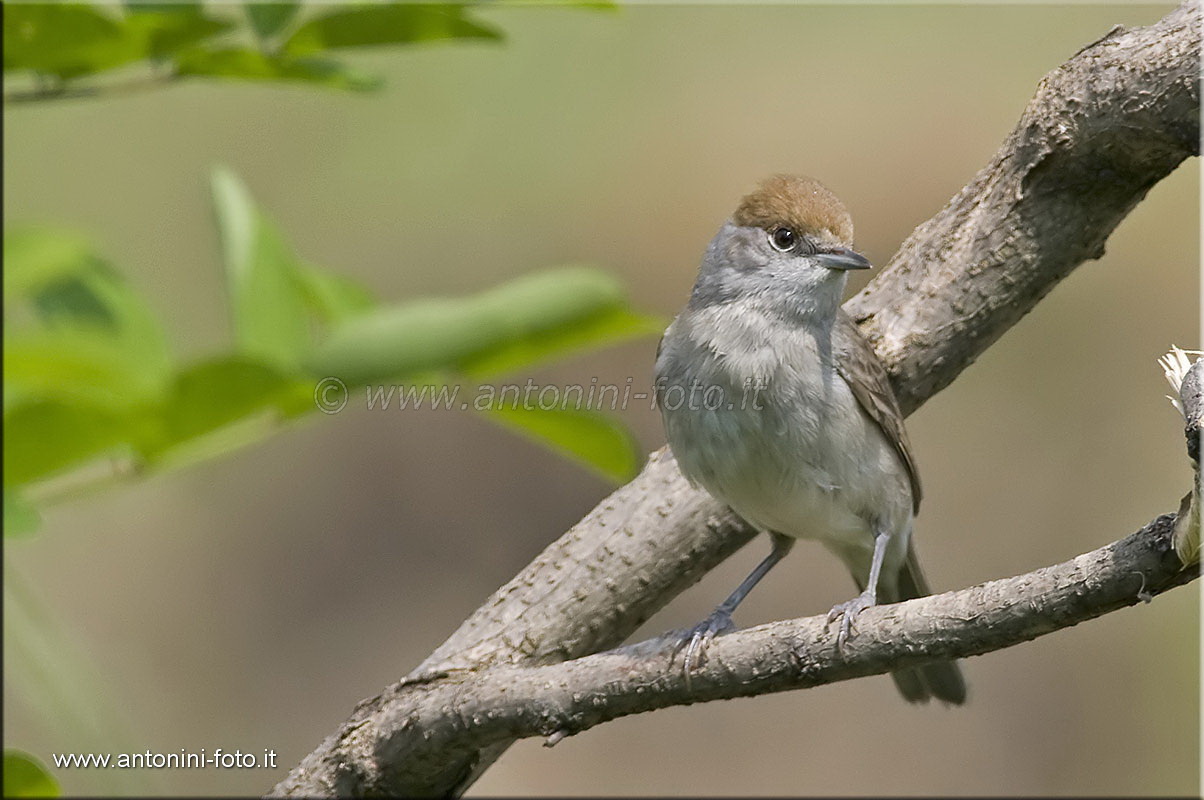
(469, 709)
(1100, 131)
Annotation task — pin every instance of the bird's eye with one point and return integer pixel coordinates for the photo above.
(783, 239)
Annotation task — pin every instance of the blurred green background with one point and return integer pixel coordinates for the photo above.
(251, 601)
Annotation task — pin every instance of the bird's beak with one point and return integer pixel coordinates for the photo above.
(842, 258)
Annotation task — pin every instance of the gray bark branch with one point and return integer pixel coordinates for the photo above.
(1101, 130)
(478, 709)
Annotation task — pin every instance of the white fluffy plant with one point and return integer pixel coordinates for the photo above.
(1176, 365)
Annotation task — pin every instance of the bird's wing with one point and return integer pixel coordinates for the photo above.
(657, 386)
(862, 370)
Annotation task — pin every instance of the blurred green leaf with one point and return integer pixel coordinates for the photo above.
(68, 286)
(402, 340)
(43, 437)
(72, 40)
(268, 305)
(76, 365)
(167, 28)
(66, 39)
(268, 19)
(247, 64)
(90, 335)
(75, 39)
(34, 257)
(219, 442)
(332, 297)
(580, 308)
(606, 327)
(547, 299)
(99, 300)
(166, 7)
(25, 776)
(594, 439)
(13, 395)
(213, 394)
(512, 325)
(393, 23)
(21, 519)
(69, 301)
(589, 5)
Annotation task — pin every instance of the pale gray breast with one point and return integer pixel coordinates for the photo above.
(808, 461)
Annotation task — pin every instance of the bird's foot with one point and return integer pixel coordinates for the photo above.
(847, 612)
(695, 640)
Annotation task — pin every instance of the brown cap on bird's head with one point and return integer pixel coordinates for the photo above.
(803, 204)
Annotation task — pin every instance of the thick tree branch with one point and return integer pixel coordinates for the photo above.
(1101, 130)
(477, 709)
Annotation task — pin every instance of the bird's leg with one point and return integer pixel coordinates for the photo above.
(849, 609)
(697, 638)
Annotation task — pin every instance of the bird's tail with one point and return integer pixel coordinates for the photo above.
(940, 679)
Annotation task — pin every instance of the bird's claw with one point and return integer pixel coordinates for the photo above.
(695, 641)
(848, 612)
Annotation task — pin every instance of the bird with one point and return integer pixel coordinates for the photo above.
(775, 404)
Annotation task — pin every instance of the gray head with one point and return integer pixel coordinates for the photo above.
(787, 247)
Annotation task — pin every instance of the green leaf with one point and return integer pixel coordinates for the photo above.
(594, 439)
(547, 299)
(268, 19)
(268, 305)
(246, 64)
(332, 297)
(90, 335)
(25, 776)
(69, 287)
(166, 7)
(75, 39)
(168, 28)
(35, 257)
(553, 313)
(44, 437)
(67, 39)
(420, 336)
(514, 324)
(13, 395)
(394, 23)
(99, 300)
(69, 301)
(77, 365)
(591, 331)
(21, 520)
(589, 5)
(210, 395)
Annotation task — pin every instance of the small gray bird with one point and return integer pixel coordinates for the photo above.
(776, 405)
